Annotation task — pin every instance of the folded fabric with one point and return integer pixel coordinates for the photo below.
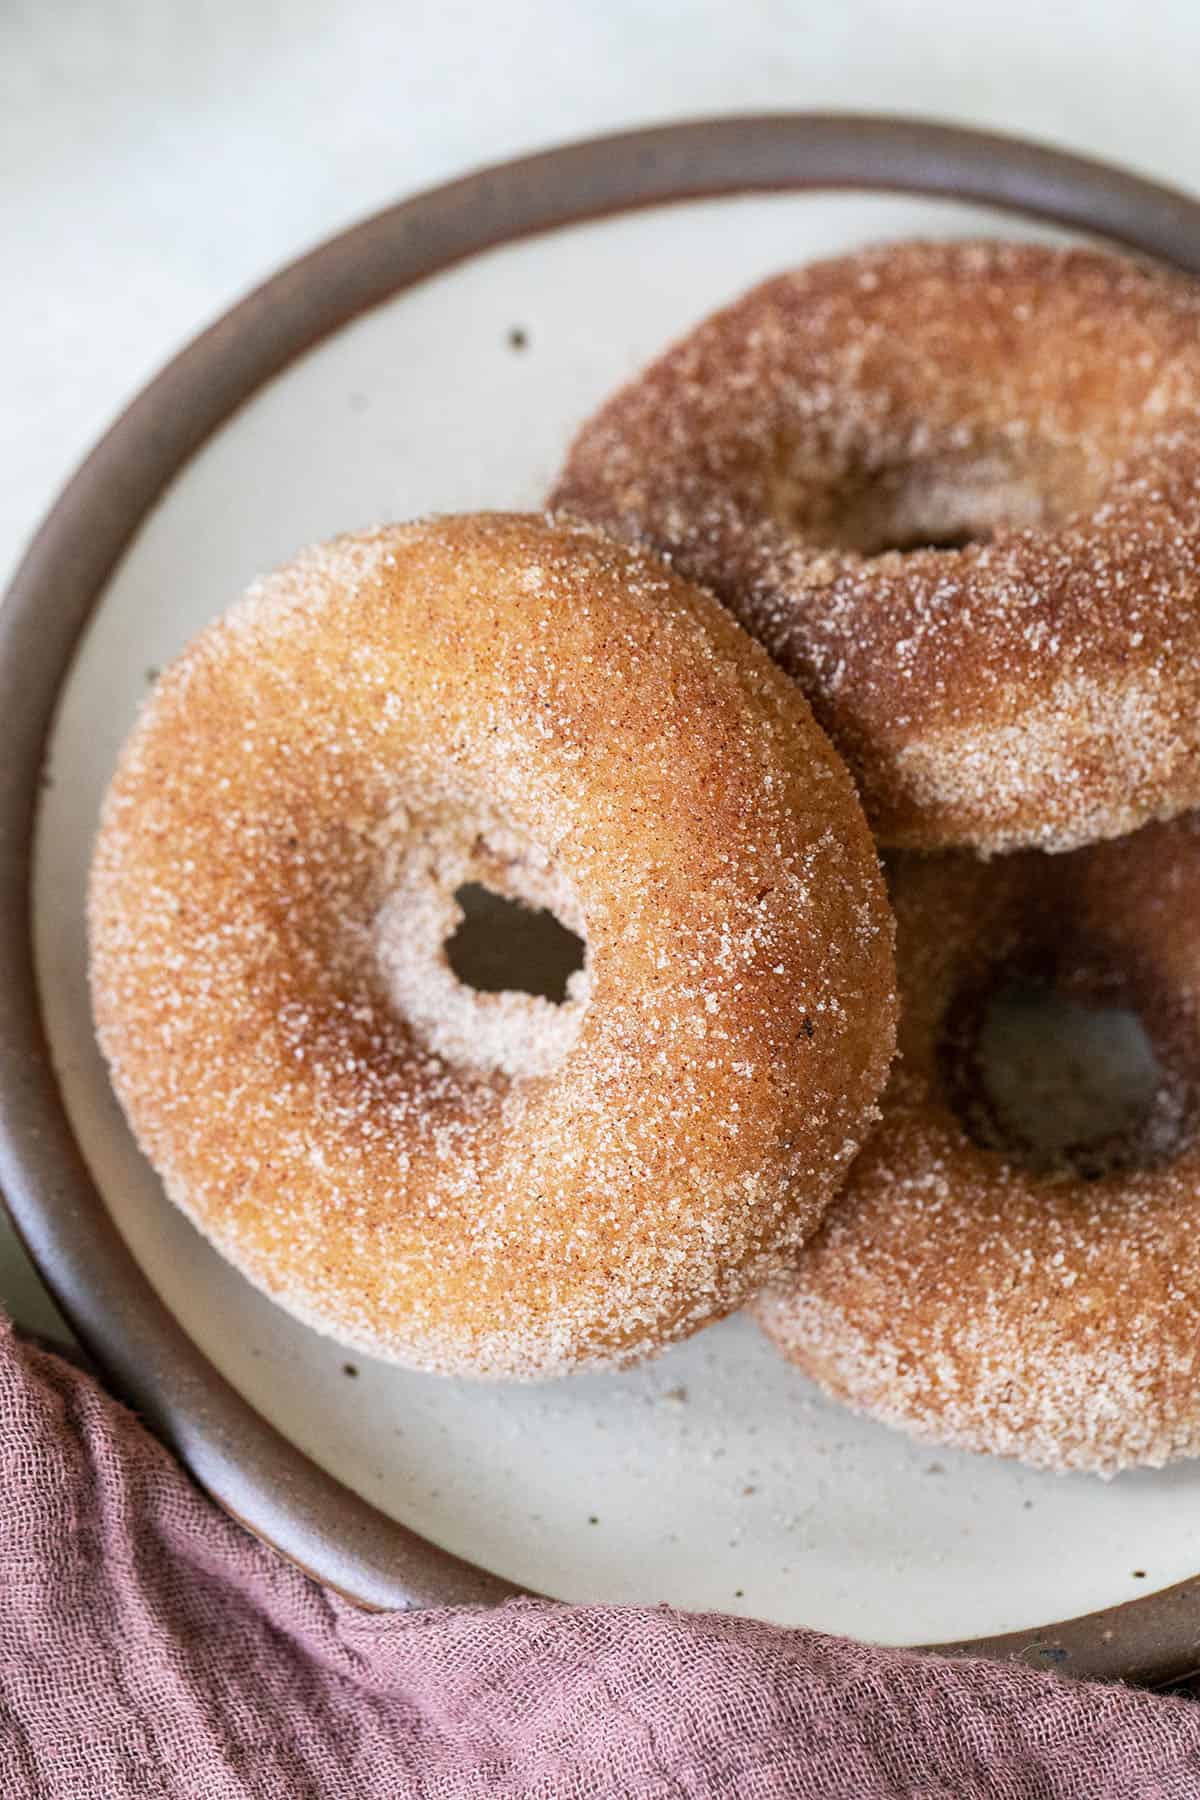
(149, 1646)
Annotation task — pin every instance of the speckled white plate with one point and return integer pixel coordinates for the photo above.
(716, 1476)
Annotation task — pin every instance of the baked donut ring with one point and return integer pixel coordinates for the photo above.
(485, 1182)
(954, 488)
(1010, 1305)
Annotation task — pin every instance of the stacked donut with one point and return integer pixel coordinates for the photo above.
(920, 526)
(460, 1174)
(954, 488)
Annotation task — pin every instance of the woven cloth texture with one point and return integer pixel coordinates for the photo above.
(149, 1646)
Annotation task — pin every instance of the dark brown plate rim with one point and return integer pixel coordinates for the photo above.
(247, 1465)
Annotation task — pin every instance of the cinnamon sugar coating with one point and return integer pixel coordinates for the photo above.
(1033, 411)
(970, 1300)
(484, 1183)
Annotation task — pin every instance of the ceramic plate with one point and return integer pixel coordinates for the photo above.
(501, 311)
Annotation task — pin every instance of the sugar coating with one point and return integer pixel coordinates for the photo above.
(431, 1174)
(965, 1298)
(1042, 402)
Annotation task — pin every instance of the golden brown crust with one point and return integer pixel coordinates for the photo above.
(1041, 687)
(973, 1301)
(370, 722)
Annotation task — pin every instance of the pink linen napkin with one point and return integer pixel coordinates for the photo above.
(150, 1647)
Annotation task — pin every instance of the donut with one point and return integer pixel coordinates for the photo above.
(954, 488)
(971, 1286)
(469, 1181)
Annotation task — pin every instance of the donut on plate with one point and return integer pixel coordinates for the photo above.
(954, 488)
(469, 1181)
(1042, 1301)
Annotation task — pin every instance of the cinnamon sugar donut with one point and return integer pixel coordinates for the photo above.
(954, 488)
(1044, 1307)
(484, 1182)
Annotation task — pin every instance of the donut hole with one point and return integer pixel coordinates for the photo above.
(936, 502)
(503, 945)
(1062, 1081)
(482, 948)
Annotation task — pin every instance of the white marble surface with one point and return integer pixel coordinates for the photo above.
(159, 156)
